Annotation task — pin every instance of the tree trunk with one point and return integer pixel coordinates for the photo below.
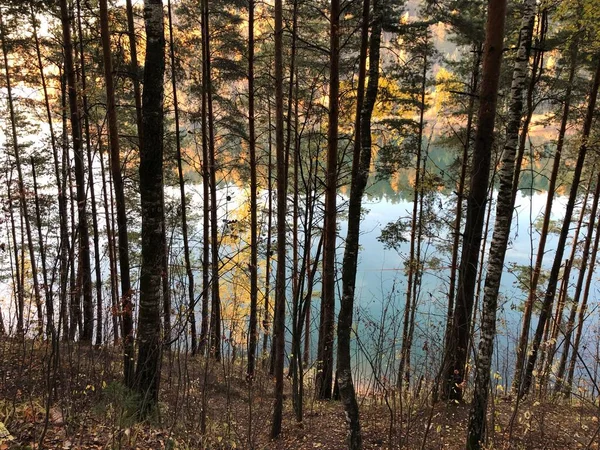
(61, 198)
(456, 351)
(134, 70)
(253, 331)
(545, 366)
(90, 173)
(269, 236)
(215, 317)
(292, 123)
(556, 326)
(204, 321)
(553, 279)
(75, 270)
(504, 212)
(65, 247)
(476, 49)
(413, 263)
(18, 285)
(191, 316)
(47, 293)
(115, 165)
(82, 227)
(20, 181)
(361, 163)
(279, 319)
(582, 313)
(114, 294)
(326, 329)
(151, 190)
(578, 291)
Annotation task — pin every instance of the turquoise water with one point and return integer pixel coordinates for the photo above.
(381, 285)
(381, 282)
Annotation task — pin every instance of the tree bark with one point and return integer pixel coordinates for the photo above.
(268, 258)
(82, 226)
(151, 190)
(65, 248)
(117, 178)
(456, 351)
(578, 291)
(38, 221)
(415, 244)
(215, 317)
(204, 320)
(502, 227)
(323, 382)
(477, 50)
(191, 316)
(18, 285)
(61, 198)
(582, 312)
(555, 327)
(361, 163)
(90, 174)
(253, 329)
(114, 294)
(280, 300)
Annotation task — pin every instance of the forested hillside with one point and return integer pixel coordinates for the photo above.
(299, 224)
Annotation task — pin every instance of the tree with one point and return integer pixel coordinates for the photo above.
(361, 163)
(90, 174)
(20, 178)
(115, 158)
(211, 167)
(61, 193)
(326, 328)
(422, 48)
(582, 313)
(279, 319)
(527, 313)
(455, 356)
(553, 278)
(191, 316)
(151, 192)
(82, 226)
(584, 260)
(253, 331)
(502, 226)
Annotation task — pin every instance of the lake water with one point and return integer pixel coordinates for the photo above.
(381, 282)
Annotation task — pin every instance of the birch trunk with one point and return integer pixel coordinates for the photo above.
(501, 235)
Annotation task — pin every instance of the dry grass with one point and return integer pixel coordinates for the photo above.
(92, 410)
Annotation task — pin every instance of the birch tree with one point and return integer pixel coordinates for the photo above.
(504, 212)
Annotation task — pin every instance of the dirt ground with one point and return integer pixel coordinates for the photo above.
(91, 409)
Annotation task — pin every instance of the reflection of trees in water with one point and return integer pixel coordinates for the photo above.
(442, 167)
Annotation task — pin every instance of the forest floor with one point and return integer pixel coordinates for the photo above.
(90, 409)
